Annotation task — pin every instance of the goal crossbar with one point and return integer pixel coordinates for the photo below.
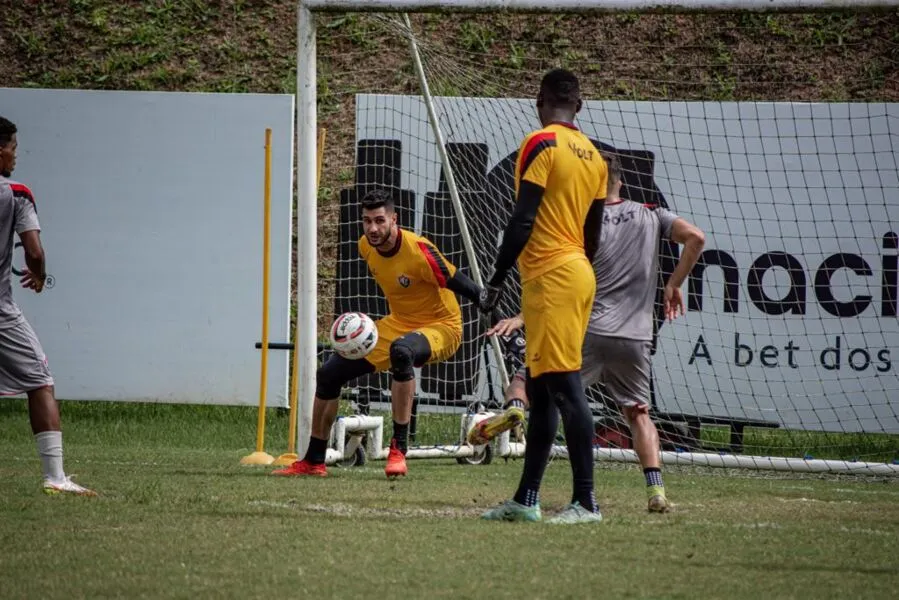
(580, 6)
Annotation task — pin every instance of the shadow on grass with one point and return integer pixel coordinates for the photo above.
(223, 474)
(829, 568)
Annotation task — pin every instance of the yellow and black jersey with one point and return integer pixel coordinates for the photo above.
(566, 164)
(413, 277)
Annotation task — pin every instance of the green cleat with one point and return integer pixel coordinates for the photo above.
(575, 513)
(513, 511)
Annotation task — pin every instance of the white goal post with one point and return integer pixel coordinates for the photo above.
(463, 100)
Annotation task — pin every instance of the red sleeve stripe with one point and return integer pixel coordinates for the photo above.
(438, 266)
(21, 190)
(534, 147)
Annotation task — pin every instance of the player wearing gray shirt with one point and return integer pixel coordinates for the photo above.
(17, 215)
(619, 335)
(626, 266)
(616, 349)
(23, 365)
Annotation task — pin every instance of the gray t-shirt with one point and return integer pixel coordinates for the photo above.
(627, 269)
(17, 215)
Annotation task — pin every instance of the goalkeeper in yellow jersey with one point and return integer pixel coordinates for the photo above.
(424, 326)
(560, 184)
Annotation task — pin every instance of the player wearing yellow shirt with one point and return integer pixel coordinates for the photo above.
(424, 326)
(560, 183)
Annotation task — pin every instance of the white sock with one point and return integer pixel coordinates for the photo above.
(49, 448)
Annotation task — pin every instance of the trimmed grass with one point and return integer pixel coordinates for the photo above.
(178, 517)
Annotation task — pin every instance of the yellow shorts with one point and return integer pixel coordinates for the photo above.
(556, 309)
(444, 339)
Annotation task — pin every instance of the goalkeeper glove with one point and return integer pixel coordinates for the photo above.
(490, 298)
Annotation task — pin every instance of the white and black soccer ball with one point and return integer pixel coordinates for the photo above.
(354, 335)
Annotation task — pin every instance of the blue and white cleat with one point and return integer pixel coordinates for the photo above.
(574, 513)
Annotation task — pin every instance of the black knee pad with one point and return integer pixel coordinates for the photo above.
(402, 360)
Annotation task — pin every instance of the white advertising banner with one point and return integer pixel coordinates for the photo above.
(792, 310)
(151, 208)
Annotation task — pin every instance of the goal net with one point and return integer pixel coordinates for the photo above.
(776, 134)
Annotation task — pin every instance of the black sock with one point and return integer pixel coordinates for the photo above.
(401, 436)
(653, 476)
(577, 420)
(516, 402)
(542, 427)
(527, 497)
(315, 454)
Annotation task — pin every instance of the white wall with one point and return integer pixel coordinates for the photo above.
(151, 208)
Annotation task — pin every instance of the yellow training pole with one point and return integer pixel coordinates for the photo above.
(260, 457)
(291, 454)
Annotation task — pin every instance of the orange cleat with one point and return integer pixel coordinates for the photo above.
(302, 467)
(396, 462)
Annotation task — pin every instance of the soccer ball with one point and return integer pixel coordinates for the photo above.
(354, 335)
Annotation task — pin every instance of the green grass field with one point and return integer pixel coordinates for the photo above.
(179, 518)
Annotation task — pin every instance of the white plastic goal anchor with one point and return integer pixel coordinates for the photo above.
(356, 426)
(505, 448)
(461, 450)
(347, 433)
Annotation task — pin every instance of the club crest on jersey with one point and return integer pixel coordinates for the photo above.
(404, 281)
